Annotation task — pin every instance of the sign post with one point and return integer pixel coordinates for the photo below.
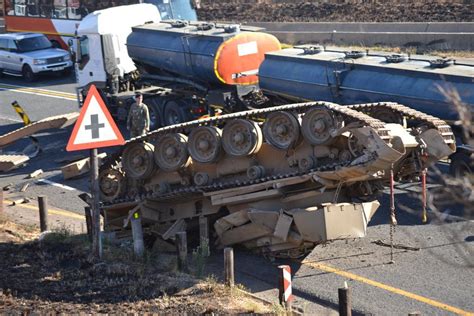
(95, 128)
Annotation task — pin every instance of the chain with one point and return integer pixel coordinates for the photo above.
(393, 220)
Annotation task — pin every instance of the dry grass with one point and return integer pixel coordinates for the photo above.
(57, 275)
(11, 232)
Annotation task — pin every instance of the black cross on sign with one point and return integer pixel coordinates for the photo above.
(95, 126)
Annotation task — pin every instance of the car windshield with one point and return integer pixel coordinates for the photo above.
(33, 43)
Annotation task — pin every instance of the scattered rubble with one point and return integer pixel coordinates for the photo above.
(12, 161)
(80, 167)
(35, 174)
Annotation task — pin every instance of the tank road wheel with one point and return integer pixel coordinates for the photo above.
(355, 147)
(137, 160)
(241, 138)
(204, 144)
(386, 115)
(281, 130)
(111, 184)
(171, 152)
(318, 124)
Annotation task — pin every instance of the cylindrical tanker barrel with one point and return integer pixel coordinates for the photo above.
(204, 53)
(349, 77)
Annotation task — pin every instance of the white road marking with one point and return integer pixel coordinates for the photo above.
(59, 185)
(37, 91)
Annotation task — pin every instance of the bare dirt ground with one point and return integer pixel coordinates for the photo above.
(380, 11)
(57, 275)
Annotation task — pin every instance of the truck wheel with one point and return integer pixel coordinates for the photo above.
(460, 165)
(153, 108)
(174, 114)
(28, 74)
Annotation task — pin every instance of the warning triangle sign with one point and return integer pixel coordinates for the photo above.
(95, 127)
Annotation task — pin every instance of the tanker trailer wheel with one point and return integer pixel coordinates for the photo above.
(282, 130)
(204, 144)
(174, 113)
(171, 152)
(137, 160)
(460, 165)
(154, 109)
(318, 124)
(241, 138)
(111, 184)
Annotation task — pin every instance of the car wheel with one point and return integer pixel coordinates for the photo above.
(28, 74)
(67, 72)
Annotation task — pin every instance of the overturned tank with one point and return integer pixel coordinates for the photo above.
(277, 180)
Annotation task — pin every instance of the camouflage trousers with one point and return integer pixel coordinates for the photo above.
(137, 132)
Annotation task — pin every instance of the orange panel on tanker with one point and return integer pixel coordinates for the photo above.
(238, 59)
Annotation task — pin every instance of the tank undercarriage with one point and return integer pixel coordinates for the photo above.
(277, 180)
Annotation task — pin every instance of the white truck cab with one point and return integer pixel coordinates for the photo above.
(100, 52)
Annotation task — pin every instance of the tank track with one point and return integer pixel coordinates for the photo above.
(434, 122)
(353, 113)
(349, 115)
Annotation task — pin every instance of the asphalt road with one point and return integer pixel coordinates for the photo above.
(433, 280)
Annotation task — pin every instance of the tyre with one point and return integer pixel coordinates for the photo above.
(154, 110)
(460, 165)
(28, 74)
(174, 113)
(67, 72)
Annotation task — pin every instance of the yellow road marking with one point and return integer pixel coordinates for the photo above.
(43, 92)
(55, 211)
(389, 288)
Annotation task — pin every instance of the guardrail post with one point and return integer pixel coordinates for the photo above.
(229, 266)
(43, 212)
(182, 251)
(204, 236)
(285, 295)
(137, 234)
(345, 301)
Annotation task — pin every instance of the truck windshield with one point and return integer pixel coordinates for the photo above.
(33, 43)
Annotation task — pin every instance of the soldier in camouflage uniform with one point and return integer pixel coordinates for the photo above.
(138, 121)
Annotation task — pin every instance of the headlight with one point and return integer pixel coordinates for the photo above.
(39, 61)
(67, 57)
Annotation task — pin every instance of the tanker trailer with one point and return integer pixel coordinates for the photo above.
(215, 64)
(277, 180)
(349, 77)
(179, 67)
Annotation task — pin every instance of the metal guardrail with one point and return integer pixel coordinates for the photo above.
(433, 36)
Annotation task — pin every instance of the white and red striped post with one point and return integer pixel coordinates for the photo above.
(285, 295)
